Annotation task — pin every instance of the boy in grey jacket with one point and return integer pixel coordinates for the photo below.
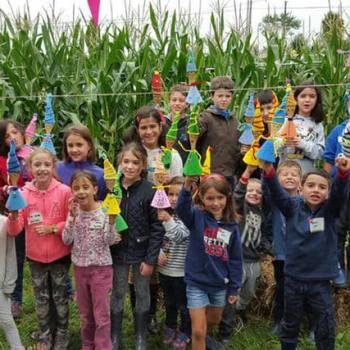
(8, 276)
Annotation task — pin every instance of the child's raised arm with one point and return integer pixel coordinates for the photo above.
(281, 198)
(184, 207)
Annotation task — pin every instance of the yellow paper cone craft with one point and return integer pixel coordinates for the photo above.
(111, 205)
(109, 174)
(207, 162)
(258, 124)
(291, 102)
(250, 158)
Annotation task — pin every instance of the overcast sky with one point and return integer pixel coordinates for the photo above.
(310, 12)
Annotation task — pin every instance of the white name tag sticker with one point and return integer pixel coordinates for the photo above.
(316, 225)
(35, 218)
(96, 225)
(224, 235)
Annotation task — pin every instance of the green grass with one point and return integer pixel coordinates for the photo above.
(253, 337)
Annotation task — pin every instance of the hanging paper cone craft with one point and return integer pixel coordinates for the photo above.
(250, 110)
(109, 174)
(120, 224)
(274, 108)
(160, 199)
(291, 104)
(94, 6)
(266, 152)
(279, 117)
(15, 200)
(247, 136)
(194, 97)
(171, 135)
(193, 128)
(193, 166)
(289, 130)
(13, 165)
(191, 69)
(166, 157)
(49, 119)
(258, 124)
(157, 88)
(48, 144)
(206, 168)
(30, 130)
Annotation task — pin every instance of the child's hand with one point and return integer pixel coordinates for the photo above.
(111, 219)
(73, 207)
(190, 182)
(162, 259)
(118, 238)
(341, 163)
(249, 170)
(146, 269)
(295, 142)
(163, 215)
(244, 149)
(43, 230)
(13, 215)
(232, 299)
(266, 166)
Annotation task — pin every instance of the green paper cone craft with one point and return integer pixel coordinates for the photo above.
(170, 140)
(120, 224)
(117, 190)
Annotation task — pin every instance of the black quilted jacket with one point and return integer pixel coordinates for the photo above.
(142, 240)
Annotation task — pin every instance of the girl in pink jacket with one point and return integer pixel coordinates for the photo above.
(49, 258)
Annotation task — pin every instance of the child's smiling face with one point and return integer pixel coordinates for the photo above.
(177, 102)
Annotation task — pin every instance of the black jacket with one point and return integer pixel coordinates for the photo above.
(142, 240)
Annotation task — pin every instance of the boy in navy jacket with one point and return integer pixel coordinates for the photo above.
(311, 245)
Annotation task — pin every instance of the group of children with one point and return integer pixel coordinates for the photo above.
(204, 251)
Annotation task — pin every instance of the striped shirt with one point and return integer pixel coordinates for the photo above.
(175, 245)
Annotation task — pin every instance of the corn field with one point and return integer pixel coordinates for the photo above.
(100, 76)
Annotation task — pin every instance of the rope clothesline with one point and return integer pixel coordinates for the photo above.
(147, 93)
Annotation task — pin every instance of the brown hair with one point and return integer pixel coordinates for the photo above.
(138, 151)
(220, 184)
(318, 172)
(181, 88)
(4, 148)
(85, 175)
(290, 163)
(83, 132)
(144, 112)
(317, 114)
(221, 82)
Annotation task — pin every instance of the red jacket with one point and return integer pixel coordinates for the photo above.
(51, 207)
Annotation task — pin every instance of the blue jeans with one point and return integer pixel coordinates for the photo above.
(317, 295)
(198, 298)
(17, 295)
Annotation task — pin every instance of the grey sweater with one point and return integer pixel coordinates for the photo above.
(8, 262)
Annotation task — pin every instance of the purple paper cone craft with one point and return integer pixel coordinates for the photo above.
(160, 200)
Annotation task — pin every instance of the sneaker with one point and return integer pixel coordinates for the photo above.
(168, 335)
(213, 344)
(16, 309)
(181, 341)
(61, 340)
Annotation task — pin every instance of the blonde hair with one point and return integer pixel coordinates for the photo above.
(39, 150)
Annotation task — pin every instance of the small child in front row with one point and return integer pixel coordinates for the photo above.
(91, 232)
(254, 238)
(8, 276)
(213, 269)
(140, 245)
(311, 246)
(49, 258)
(171, 269)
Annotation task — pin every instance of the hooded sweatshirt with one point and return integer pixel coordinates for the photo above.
(43, 207)
(214, 255)
(8, 264)
(310, 252)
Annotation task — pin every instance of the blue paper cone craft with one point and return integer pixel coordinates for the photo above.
(250, 110)
(48, 144)
(266, 152)
(194, 97)
(247, 136)
(15, 200)
(49, 119)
